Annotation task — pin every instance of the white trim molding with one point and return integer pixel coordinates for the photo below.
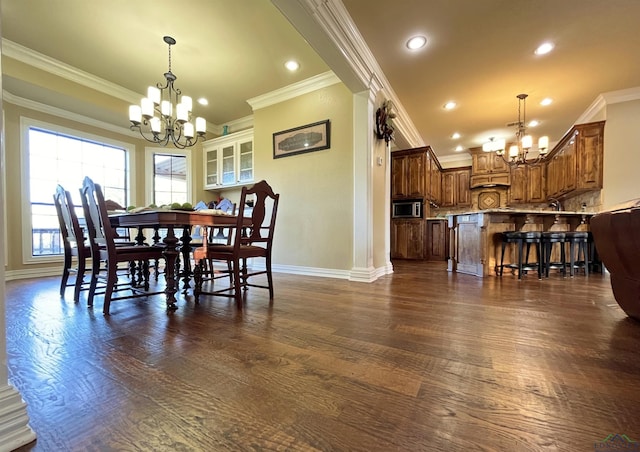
(14, 421)
(294, 90)
(604, 99)
(65, 114)
(53, 66)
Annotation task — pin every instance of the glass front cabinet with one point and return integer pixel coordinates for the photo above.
(228, 160)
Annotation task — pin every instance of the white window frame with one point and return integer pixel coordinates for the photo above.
(27, 123)
(149, 171)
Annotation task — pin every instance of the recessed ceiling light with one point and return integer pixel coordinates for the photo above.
(292, 65)
(544, 48)
(459, 148)
(546, 101)
(534, 123)
(203, 101)
(455, 136)
(450, 105)
(417, 42)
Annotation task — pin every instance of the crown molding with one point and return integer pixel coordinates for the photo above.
(294, 90)
(623, 95)
(53, 66)
(65, 114)
(608, 98)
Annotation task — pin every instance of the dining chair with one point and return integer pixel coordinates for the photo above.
(214, 236)
(252, 238)
(74, 243)
(102, 242)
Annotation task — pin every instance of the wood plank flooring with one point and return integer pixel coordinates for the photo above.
(421, 360)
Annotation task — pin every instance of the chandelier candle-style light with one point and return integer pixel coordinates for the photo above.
(519, 151)
(156, 113)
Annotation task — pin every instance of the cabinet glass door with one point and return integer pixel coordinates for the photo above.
(246, 161)
(228, 165)
(212, 167)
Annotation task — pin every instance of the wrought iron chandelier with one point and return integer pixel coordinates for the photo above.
(156, 113)
(519, 152)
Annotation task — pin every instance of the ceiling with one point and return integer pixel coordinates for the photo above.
(479, 53)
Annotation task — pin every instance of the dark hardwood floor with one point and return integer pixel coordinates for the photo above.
(421, 360)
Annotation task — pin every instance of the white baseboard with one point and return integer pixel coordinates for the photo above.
(10, 275)
(356, 274)
(14, 421)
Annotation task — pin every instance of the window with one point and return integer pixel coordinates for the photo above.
(171, 180)
(61, 156)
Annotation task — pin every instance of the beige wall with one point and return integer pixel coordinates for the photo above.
(315, 215)
(621, 153)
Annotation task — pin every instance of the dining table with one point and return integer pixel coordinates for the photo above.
(169, 222)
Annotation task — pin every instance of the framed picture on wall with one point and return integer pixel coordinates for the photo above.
(309, 138)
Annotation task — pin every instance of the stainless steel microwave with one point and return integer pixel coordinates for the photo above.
(407, 209)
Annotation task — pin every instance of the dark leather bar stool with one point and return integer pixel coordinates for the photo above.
(520, 239)
(549, 238)
(578, 241)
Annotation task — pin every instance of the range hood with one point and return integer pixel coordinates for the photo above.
(490, 180)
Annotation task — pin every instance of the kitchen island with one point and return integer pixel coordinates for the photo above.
(475, 240)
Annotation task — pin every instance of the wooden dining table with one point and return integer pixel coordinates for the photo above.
(170, 221)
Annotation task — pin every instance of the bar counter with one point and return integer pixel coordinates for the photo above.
(475, 241)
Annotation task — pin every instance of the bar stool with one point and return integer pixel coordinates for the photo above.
(578, 245)
(520, 239)
(548, 239)
(595, 264)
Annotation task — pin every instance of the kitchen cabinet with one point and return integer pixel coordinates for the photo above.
(590, 155)
(407, 239)
(488, 169)
(455, 187)
(228, 160)
(419, 239)
(435, 192)
(437, 243)
(575, 164)
(416, 174)
(408, 174)
(527, 184)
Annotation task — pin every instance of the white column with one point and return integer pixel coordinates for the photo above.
(14, 421)
(363, 269)
(387, 208)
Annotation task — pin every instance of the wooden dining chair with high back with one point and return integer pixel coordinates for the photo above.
(102, 241)
(74, 243)
(252, 238)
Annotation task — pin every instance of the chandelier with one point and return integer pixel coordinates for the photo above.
(519, 152)
(156, 113)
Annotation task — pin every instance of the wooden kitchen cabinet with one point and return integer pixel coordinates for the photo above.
(488, 168)
(437, 240)
(455, 187)
(435, 194)
(420, 239)
(408, 239)
(575, 164)
(527, 184)
(408, 174)
(589, 156)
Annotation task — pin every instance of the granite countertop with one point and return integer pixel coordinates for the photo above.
(526, 212)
